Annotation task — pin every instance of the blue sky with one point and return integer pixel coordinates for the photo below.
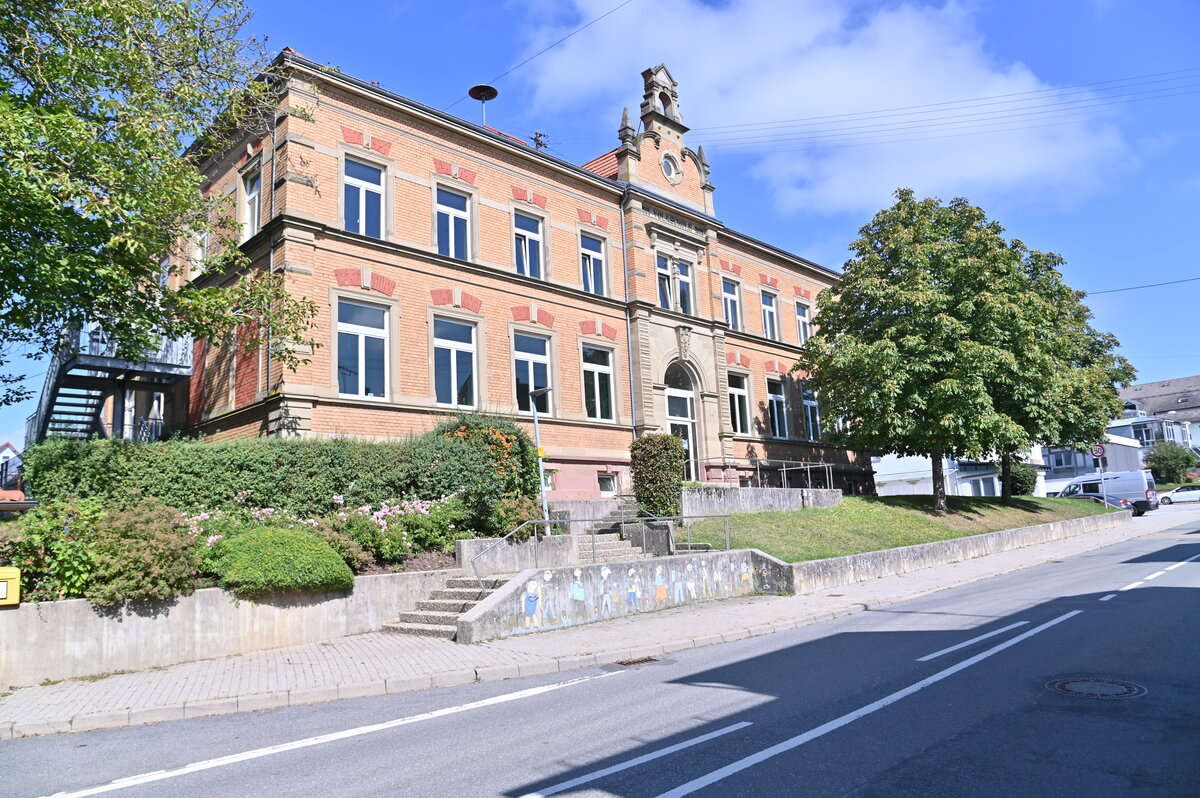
(1074, 123)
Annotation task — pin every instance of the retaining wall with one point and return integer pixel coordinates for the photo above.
(722, 500)
(511, 556)
(64, 639)
(820, 574)
(554, 598)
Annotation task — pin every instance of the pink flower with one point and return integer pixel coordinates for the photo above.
(213, 539)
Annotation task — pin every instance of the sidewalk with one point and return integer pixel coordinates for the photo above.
(379, 663)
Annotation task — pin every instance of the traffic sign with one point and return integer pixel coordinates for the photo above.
(1097, 451)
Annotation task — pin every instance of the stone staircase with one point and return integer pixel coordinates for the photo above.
(610, 547)
(437, 616)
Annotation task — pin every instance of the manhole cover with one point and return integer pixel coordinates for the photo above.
(1095, 687)
(638, 661)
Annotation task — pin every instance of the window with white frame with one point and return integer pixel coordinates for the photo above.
(777, 409)
(591, 258)
(607, 482)
(531, 370)
(528, 243)
(453, 224)
(739, 404)
(732, 301)
(252, 203)
(812, 415)
(598, 383)
(362, 344)
(770, 316)
(362, 198)
(801, 322)
(674, 284)
(454, 362)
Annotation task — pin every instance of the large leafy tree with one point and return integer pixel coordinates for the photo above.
(106, 109)
(938, 341)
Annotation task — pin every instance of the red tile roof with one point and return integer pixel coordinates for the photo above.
(605, 165)
(506, 135)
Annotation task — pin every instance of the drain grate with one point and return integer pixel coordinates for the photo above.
(638, 661)
(1095, 687)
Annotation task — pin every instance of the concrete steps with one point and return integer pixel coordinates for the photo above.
(438, 615)
(609, 547)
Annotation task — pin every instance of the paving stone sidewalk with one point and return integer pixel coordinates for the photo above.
(379, 663)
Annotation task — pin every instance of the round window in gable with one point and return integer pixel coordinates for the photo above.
(670, 169)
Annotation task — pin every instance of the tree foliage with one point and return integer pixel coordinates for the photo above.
(944, 339)
(657, 464)
(106, 107)
(1170, 462)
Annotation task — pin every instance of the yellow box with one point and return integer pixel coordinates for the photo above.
(10, 586)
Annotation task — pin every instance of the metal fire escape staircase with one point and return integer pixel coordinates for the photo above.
(85, 371)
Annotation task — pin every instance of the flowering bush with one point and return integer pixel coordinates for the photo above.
(53, 547)
(209, 527)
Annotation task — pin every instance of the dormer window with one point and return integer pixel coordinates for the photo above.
(1183, 400)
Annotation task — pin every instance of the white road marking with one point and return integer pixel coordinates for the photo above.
(232, 759)
(1130, 586)
(787, 745)
(1185, 562)
(1109, 597)
(973, 640)
(599, 774)
(1155, 575)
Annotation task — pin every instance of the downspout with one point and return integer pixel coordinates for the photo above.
(628, 316)
(271, 244)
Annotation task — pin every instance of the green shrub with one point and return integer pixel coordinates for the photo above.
(512, 453)
(657, 464)
(270, 560)
(516, 510)
(142, 554)
(1170, 462)
(52, 545)
(1023, 479)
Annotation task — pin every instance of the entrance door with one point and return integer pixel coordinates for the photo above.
(681, 417)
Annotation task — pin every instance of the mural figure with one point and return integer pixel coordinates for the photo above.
(718, 581)
(746, 578)
(706, 580)
(633, 589)
(531, 598)
(549, 608)
(606, 592)
(677, 583)
(691, 579)
(578, 598)
(660, 586)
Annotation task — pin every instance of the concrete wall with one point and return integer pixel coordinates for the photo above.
(720, 500)
(64, 639)
(554, 598)
(820, 574)
(511, 556)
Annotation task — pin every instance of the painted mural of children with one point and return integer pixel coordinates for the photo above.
(549, 608)
(606, 592)
(746, 581)
(531, 600)
(677, 583)
(660, 586)
(633, 589)
(706, 580)
(579, 610)
(718, 580)
(691, 579)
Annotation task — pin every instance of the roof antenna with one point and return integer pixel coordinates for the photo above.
(483, 93)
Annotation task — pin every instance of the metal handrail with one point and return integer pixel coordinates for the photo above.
(609, 519)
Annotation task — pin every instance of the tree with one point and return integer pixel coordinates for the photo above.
(1170, 462)
(1023, 479)
(939, 341)
(106, 109)
(656, 461)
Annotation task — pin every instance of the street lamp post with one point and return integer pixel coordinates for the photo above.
(534, 395)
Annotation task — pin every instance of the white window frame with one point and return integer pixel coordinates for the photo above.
(802, 328)
(588, 259)
(770, 313)
(611, 478)
(364, 187)
(812, 415)
(731, 303)
(739, 403)
(251, 203)
(452, 214)
(363, 333)
(594, 391)
(671, 275)
(526, 240)
(455, 347)
(526, 360)
(777, 409)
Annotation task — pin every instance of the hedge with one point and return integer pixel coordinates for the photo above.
(657, 464)
(270, 560)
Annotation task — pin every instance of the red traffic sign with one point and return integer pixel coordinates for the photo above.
(1097, 451)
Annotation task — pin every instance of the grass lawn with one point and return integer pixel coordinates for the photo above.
(870, 523)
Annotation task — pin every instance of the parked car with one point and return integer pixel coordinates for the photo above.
(1110, 501)
(1136, 487)
(1184, 493)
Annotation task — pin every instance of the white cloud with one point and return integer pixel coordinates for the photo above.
(756, 61)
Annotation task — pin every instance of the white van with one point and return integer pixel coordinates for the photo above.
(1136, 487)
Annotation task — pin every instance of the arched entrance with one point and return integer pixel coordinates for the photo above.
(681, 416)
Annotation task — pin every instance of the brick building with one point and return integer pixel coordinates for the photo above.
(457, 268)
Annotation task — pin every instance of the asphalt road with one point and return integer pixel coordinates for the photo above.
(941, 696)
